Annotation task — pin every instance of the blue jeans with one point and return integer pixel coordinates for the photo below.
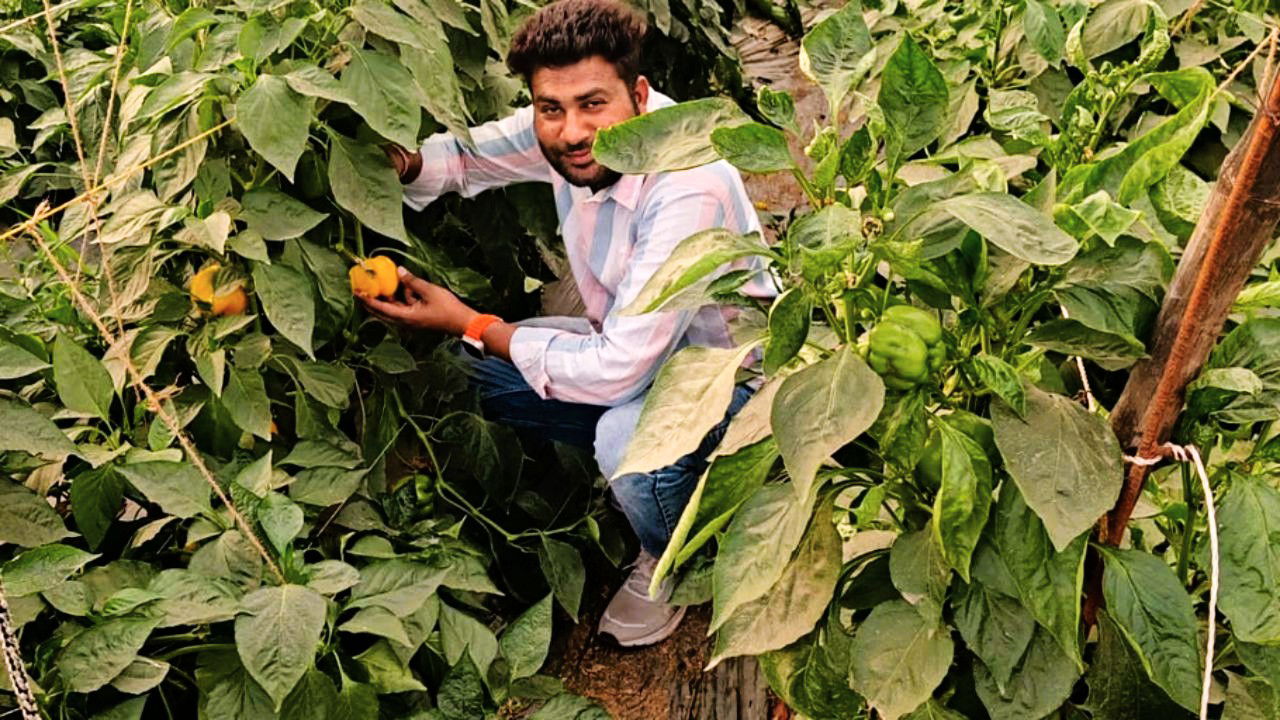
(651, 501)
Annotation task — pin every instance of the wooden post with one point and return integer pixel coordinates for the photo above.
(1235, 227)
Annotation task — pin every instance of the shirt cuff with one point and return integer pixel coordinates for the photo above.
(430, 183)
(529, 346)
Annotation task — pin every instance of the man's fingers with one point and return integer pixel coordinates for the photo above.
(412, 282)
(390, 309)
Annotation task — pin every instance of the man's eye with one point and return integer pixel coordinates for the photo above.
(550, 110)
(594, 103)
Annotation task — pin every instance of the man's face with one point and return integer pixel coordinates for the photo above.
(570, 103)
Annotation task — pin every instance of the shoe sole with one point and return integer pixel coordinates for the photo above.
(657, 636)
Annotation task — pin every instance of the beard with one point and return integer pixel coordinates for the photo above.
(590, 174)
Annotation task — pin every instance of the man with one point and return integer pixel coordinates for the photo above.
(582, 380)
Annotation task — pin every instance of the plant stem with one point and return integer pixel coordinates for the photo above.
(1189, 529)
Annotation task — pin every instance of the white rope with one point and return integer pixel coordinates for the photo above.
(1190, 454)
(12, 660)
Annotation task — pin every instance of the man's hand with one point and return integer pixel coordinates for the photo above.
(407, 163)
(426, 306)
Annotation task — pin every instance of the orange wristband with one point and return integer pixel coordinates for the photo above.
(477, 326)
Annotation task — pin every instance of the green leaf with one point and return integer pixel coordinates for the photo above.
(385, 95)
(788, 328)
(434, 71)
(84, 385)
(670, 138)
(811, 674)
(280, 519)
(357, 701)
(1156, 616)
(822, 240)
(1065, 460)
(753, 147)
(913, 95)
(188, 598)
(96, 655)
(1002, 379)
(11, 182)
(128, 710)
(526, 640)
(227, 692)
(820, 408)
(964, 500)
(289, 304)
(1250, 698)
(461, 634)
(1043, 26)
(16, 361)
(691, 268)
(1048, 582)
(365, 184)
(276, 216)
(567, 706)
(778, 107)
(756, 548)
(934, 710)
(330, 577)
(687, 399)
(177, 487)
(920, 572)
(30, 432)
(401, 586)
(314, 81)
(836, 52)
(376, 621)
(141, 676)
(899, 657)
(245, 399)
(330, 384)
(230, 557)
(390, 357)
(26, 519)
(993, 622)
(277, 635)
(1250, 569)
(562, 565)
(1118, 684)
(461, 693)
(276, 121)
(1007, 223)
(95, 501)
(1041, 684)
(795, 602)
(42, 568)
(1110, 350)
(313, 698)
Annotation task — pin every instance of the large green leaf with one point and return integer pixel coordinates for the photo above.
(562, 565)
(788, 328)
(276, 216)
(433, 68)
(27, 520)
(812, 674)
(98, 654)
(899, 657)
(753, 147)
(1250, 570)
(1042, 683)
(188, 598)
(1064, 459)
(365, 184)
(276, 121)
(992, 620)
(835, 53)
(688, 398)
(688, 270)
(277, 635)
(385, 95)
(1047, 581)
(963, 501)
(820, 408)
(177, 487)
(795, 602)
(42, 568)
(289, 303)
(526, 640)
(1007, 223)
(17, 361)
(84, 385)
(228, 692)
(245, 399)
(670, 138)
(401, 586)
(913, 95)
(1119, 688)
(919, 572)
(1156, 616)
(1043, 26)
(461, 692)
(30, 432)
(756, 547)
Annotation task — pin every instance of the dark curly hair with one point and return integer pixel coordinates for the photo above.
(568, 31)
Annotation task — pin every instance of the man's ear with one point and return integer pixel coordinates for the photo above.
(640, 91)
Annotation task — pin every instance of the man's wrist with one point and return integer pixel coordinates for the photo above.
(408, 164)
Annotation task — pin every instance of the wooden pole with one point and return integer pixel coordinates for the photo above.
(1237, 224)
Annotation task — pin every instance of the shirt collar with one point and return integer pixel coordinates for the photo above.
(625, 192)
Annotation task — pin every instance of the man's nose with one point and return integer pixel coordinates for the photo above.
(577, 130)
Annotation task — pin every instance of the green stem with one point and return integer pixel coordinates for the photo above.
(1189, 529)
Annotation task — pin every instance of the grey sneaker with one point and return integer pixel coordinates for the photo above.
(631, 618)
